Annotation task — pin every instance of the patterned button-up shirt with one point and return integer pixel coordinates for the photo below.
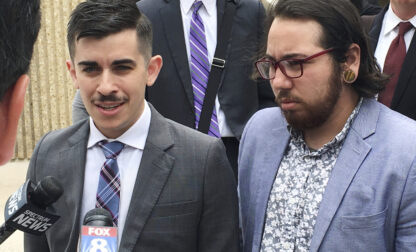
(298, 190)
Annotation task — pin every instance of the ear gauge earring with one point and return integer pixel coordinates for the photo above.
(349, 76)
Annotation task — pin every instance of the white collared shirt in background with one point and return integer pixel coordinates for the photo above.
(208, 14)
(389, 31)
(128, 162)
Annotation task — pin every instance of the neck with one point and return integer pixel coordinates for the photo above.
(404, 11)
(317, 137)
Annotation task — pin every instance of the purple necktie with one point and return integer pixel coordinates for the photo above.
(393, 63)
(200, 68)
(108, 193)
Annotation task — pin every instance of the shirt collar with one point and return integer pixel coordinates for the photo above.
(134, 137)
(297, 135)
(392, 20)
(209, 5)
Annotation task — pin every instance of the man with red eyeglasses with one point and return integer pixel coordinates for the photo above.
(331, 169)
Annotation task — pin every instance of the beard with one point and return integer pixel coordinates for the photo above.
(314, 114)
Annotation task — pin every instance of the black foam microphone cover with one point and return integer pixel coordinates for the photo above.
(46, 192)
(98, 217)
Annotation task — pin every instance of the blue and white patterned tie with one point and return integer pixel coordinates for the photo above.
(200, 68)
(108, 193)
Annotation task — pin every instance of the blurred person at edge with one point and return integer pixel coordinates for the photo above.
(331, 169)
(19, 28)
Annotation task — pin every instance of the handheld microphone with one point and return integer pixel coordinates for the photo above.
(25, 209)
(98, 233)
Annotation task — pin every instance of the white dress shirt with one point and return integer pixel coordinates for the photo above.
(389, 31)
(208, 14)
(128, 162)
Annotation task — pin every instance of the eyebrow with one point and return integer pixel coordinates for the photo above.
(87, 63)
(123, 61)
(114, 63)
(288, 56)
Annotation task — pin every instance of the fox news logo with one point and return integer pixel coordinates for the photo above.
(99, 239)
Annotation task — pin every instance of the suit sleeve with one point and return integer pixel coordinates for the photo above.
(218, 228)
(34, 243)
(406, 223)
(264, 90)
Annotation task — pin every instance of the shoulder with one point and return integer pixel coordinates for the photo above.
(190, 137)
(150, 7)
(265, 119)
(63, 137)
(396, 125)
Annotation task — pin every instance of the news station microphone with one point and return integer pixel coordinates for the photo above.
(98, 233)
(25, 209)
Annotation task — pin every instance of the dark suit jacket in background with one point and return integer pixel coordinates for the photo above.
(404, 98)
(239, 96)
(184, 198)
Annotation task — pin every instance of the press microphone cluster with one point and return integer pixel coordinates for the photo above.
(25, 209)
(98, 233)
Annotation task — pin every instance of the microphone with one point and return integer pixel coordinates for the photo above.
(98, 233)
(25, 209)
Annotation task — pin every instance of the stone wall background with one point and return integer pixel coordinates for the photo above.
(50, 93)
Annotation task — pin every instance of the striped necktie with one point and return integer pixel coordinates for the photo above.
(200, 68)
(108, 193)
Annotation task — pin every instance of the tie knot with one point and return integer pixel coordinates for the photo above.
(111, 149)
(404, 27)
(197, 5)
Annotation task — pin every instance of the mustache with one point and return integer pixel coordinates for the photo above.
(286, 96)
(109, 98)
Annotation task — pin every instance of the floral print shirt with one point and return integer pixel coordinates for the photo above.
(298, 190)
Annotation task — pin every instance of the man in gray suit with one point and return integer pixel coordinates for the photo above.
(172, 188)
(19, 28)
(238, 96)
(331, 169)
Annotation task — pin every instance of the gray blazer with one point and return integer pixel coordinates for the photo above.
(184, 198)
(370, 201)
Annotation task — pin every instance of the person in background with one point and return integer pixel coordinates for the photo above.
(331, 169)
(167, 187)
(19, 28)
(392, 39)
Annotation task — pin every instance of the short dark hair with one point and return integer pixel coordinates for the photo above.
(19, 28)
(341, 25)
(100, 18)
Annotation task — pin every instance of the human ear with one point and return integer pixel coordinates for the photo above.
(153, 69)
(11, 108)
(71, 69)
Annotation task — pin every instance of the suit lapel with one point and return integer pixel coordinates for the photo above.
(220, 14)
(375, 30)
(71, 174)
(153, 173)
(353, 153)
(270, 160)
(173, 30)
(407, 70)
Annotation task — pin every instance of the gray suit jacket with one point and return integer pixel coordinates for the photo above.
(369, 203)
(239, 96)
(184, 198)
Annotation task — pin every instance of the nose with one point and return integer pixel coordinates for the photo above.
(280, 81)
(107, 83)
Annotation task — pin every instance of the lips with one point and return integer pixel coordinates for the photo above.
(109, 106)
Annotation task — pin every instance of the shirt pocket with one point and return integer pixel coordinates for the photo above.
(364, 222)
